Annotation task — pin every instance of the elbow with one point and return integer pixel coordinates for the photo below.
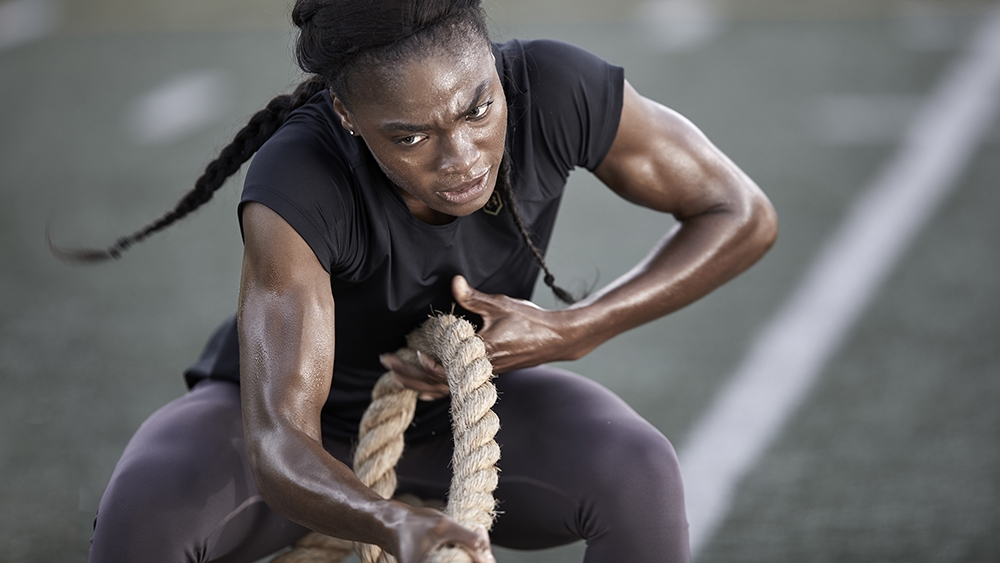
(265, 466)
(756, 224)
(264, 476)
(765, 223)
(287, 467)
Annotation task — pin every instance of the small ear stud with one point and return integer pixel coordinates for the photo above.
(351, 131)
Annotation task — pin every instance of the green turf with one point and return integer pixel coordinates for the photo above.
(894, 457)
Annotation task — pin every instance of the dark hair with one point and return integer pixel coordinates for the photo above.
(507, 193)
(335, 36)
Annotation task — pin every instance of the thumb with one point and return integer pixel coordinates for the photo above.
(466, 296)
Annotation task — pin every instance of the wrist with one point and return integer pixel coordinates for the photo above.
(581, 329)
(392, 517)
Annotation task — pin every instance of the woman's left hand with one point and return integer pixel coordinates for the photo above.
(520, 334)
(517, 334)
(428, 379)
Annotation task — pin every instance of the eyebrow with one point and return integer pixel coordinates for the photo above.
(419, 127)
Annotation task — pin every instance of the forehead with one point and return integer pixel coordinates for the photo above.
(423, 89)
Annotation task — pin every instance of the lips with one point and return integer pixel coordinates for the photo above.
(465, 192)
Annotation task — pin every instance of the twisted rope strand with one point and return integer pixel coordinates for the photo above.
(453, 341)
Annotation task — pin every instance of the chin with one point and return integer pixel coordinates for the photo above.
(478, 203)
(463, 209)
(467, 203)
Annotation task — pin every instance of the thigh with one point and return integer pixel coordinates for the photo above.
(183, 490)
(578, 463)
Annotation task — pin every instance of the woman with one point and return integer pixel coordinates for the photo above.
(421, 166)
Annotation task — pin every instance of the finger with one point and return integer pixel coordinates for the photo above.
(431, 366)
(427, 391)
(387, 361)
(429, 374)
(477, 543)
(414, 377)
(487, 553)
(422, 385)
(425, 368)
(468, 297)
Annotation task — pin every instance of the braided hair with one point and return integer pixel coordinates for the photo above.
(507, 195)
(335, 37)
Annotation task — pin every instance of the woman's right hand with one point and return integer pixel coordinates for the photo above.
(422, 530)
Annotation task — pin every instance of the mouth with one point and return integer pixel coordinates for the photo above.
(466, 191)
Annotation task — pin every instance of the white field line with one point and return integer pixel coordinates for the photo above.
(792, 349)
(680, 25)
(23, 21)
(178, 107)
(853, 119)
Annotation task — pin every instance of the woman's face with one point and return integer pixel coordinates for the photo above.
(436, 125)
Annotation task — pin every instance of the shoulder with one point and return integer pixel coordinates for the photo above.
(551, 64)
(307, 140)
(565, 98)
(309, 158)
(304, 174)
(535, 53)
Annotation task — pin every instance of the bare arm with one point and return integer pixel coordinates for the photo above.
(286, 327)
(662, 161)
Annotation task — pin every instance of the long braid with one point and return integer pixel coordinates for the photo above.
(507, 194)
(246, 142)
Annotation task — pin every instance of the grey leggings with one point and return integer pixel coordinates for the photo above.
(577, 463)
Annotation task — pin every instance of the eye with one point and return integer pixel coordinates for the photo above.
(410, 140)
(480, 111)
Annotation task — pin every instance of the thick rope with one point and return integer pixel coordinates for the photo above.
(453, 341)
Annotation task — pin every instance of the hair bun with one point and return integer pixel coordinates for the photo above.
(304, 11)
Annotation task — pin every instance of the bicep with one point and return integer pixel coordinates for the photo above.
(286, 326)
(660, 160)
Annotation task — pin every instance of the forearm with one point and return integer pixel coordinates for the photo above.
(703, 252)
(700, 254)
(286, 363)
(301, 481)
(286, 326)
(660, 160)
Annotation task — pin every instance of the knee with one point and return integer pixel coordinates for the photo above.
(163, 504)
(636, 486)
(183, 468)
(638, 460)
(165, 481)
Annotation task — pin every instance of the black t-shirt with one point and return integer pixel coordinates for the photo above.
(388, 270)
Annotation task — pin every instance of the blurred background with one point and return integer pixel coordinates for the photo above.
(887, 450)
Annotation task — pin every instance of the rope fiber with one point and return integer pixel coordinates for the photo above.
(454, 343)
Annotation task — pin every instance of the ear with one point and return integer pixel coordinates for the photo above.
(345, 116)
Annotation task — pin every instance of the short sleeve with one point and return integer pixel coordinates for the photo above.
(576, 101)
(297, 178)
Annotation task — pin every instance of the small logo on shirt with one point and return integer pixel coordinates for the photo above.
(494, 205)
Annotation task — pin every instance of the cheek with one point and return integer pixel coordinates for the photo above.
(492, 141)
(404, 175)
(398, 173)
(403, 170)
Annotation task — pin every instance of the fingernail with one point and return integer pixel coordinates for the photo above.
(382, 359)
(425, 397)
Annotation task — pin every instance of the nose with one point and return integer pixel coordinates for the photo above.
(459, 153)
